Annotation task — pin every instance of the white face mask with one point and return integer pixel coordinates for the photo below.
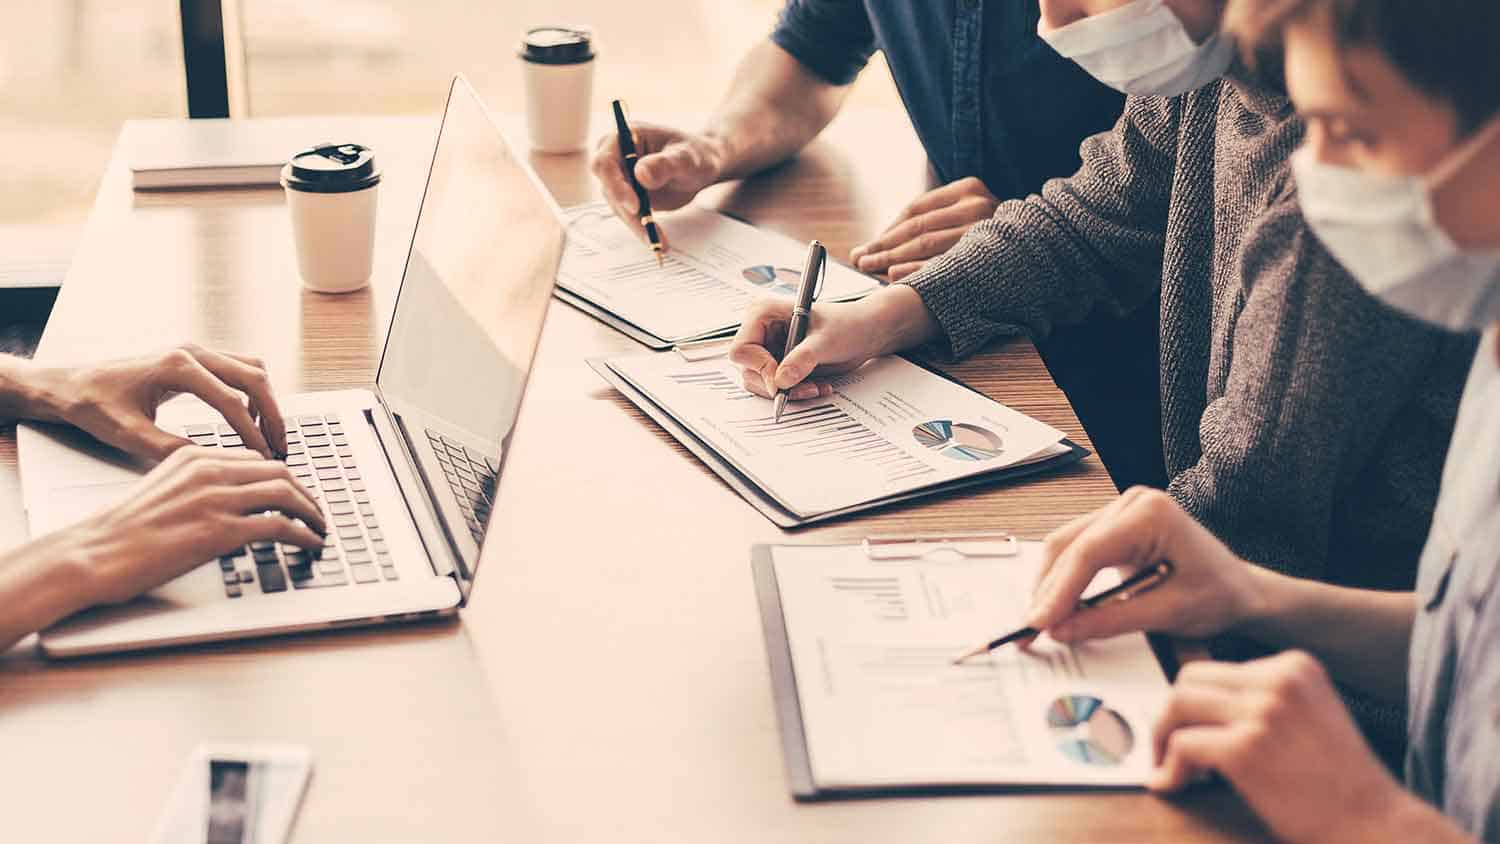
(1385, 233)
(1142, 48)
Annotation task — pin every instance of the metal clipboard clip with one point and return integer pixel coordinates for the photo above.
(966, 546)
(694, 351)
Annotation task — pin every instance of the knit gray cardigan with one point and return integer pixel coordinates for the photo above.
(1303, 422)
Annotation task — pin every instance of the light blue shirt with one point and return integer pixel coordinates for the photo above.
(1453, 707)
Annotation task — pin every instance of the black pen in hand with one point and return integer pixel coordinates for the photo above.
(1142, 581)
(630, 156)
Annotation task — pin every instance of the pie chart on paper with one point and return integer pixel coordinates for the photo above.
(1087, 731)
(958, 440)
(782, 281)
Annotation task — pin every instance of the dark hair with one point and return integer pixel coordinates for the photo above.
(1447, 49)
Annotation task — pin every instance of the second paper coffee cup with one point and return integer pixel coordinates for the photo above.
(331, 192)
(558, 65)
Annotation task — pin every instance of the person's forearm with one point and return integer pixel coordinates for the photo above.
(1361, 635)
(41, 583)
(29, 391)
(1405, 818)
(774, 108)
(901, 319)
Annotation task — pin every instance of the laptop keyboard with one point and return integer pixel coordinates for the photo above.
(471, 478)
(319, 455)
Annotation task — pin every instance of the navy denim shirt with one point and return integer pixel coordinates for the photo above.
(988, 97)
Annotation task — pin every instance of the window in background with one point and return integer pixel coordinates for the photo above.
(395, 56)
(71, 71)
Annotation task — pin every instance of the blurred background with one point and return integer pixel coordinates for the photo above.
(72, 70)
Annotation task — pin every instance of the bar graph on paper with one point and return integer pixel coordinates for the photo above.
(825, 431)
(714, 381)
(682, 297)
(879, 595)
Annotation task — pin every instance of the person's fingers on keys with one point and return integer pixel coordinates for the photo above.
(275, 527)
(255, 470)
(248, 375)
(185, 373)
(279, 495)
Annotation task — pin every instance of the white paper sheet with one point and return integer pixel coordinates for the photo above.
(882, 704)
(716, 267)
(890, 427)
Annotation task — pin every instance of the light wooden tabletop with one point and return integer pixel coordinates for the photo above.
(608, 681)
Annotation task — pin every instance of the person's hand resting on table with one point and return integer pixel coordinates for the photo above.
(928, 227)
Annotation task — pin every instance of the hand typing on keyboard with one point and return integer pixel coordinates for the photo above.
(320, 458)
(116, 402)
(198, 504)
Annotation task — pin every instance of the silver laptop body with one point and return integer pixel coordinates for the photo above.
(406, 472)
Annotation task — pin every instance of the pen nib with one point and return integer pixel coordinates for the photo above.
(661, 262)
(777, 408)
(965, 657)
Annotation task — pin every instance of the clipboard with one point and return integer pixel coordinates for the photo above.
(792, 728)
(768, 506)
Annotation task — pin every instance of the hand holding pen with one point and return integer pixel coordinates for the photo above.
(630, 156)
(807, 291)
(1137, 584)
(1208, 590)
(673, 167)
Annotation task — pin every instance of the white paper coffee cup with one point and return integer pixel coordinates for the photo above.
(557, 66)
(331, 192)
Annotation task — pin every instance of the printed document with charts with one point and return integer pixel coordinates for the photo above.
(862, 655)
(715, 268)
(889, 430)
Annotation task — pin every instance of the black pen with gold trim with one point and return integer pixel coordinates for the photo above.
(1139, 583)
(630, 155)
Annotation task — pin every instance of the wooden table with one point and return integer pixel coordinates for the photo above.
(608, 681)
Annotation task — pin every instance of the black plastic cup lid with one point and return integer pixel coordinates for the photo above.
(331, 168)
(557, 45)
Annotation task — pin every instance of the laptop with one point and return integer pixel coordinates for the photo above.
(406, 472)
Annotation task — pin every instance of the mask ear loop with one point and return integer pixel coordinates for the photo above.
(1464, 207)
(1466, 152)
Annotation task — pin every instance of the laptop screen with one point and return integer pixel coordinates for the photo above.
(473, 297)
